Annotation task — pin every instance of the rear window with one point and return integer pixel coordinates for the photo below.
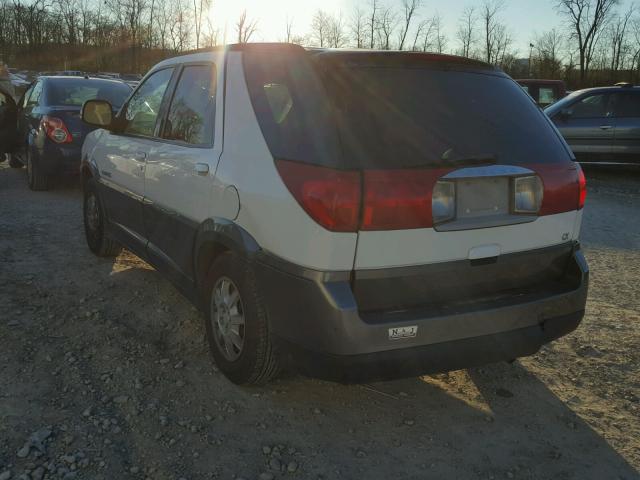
(74, 92)
(292, 107)
(396, 116)
(412, 117)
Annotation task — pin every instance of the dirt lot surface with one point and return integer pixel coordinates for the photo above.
(104, 374)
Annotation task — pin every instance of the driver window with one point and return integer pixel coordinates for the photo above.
(593, 106)
(142, 110)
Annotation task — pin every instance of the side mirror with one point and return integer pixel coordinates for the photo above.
(97, 113)
(565, 113)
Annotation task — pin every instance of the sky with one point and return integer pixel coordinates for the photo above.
(525, 18)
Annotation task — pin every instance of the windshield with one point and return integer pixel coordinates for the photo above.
(383, 117)
(74, 92)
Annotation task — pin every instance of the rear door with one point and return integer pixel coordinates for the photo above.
(180, 169)
(588, 127)
(626, 146)
(123, 156)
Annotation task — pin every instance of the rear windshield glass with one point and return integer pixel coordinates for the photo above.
(397, 116)
(74, 92)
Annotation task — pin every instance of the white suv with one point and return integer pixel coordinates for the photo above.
(355, 214)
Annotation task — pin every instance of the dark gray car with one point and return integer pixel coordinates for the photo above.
(601, 124)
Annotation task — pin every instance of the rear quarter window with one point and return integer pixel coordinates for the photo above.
(292, 107)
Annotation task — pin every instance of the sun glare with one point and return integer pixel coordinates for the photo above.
(271, 17)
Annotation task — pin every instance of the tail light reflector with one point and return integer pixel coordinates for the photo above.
(398, 199)
(55, 129)
(331, 197)
(582, 184)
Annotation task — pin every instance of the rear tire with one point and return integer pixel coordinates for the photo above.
(251, 358)
(94, 223)
(13, 161)
(37, 179)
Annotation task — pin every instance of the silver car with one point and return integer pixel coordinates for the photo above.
(601, 124)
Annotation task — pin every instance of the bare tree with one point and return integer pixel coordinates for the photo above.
(200, 8)
(245, 28)
(548, 60)
(440, 37)
(635, 53)
(357, 26)
(617, 33)
(496, 37)
(372, 22)
(409, 11)
(337, 36)
(288, 29)
(466, 33)
(586, 18)
(320, 25)
(386, 25)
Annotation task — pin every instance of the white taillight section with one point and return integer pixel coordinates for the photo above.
(443, 201)
(528, 192)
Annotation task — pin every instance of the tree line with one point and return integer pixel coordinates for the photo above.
(599, 42)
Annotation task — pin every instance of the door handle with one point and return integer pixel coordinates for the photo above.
(202, 168)
(139, 156)
(605, 127)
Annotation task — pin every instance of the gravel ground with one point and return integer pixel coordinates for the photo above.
(104, 374)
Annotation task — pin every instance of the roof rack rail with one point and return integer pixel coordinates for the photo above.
(624, 85)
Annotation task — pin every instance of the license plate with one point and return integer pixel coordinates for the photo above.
(399, 333)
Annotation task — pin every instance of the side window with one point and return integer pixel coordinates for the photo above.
(593, 106)
(35, 94)
(627, 105)
(142, 110)
(191, 115)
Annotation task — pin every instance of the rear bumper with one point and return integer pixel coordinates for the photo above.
(59, 159)
(318, 327)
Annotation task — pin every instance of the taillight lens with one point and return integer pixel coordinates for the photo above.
(564, 187)
(331, 197)
(528, 192)
(55, 129)
(398, 199)
(582, 185)
(443, 202)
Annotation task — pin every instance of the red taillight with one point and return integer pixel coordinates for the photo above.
(331, 197)
(564, 187)
(582, 183)
(55, 129)
(398, 199)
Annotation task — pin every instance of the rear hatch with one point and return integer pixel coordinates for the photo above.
(457, 185)
(461, 172)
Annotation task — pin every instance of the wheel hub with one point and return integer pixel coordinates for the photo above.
(227, 318)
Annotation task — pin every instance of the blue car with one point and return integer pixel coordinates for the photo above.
(49, 130)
